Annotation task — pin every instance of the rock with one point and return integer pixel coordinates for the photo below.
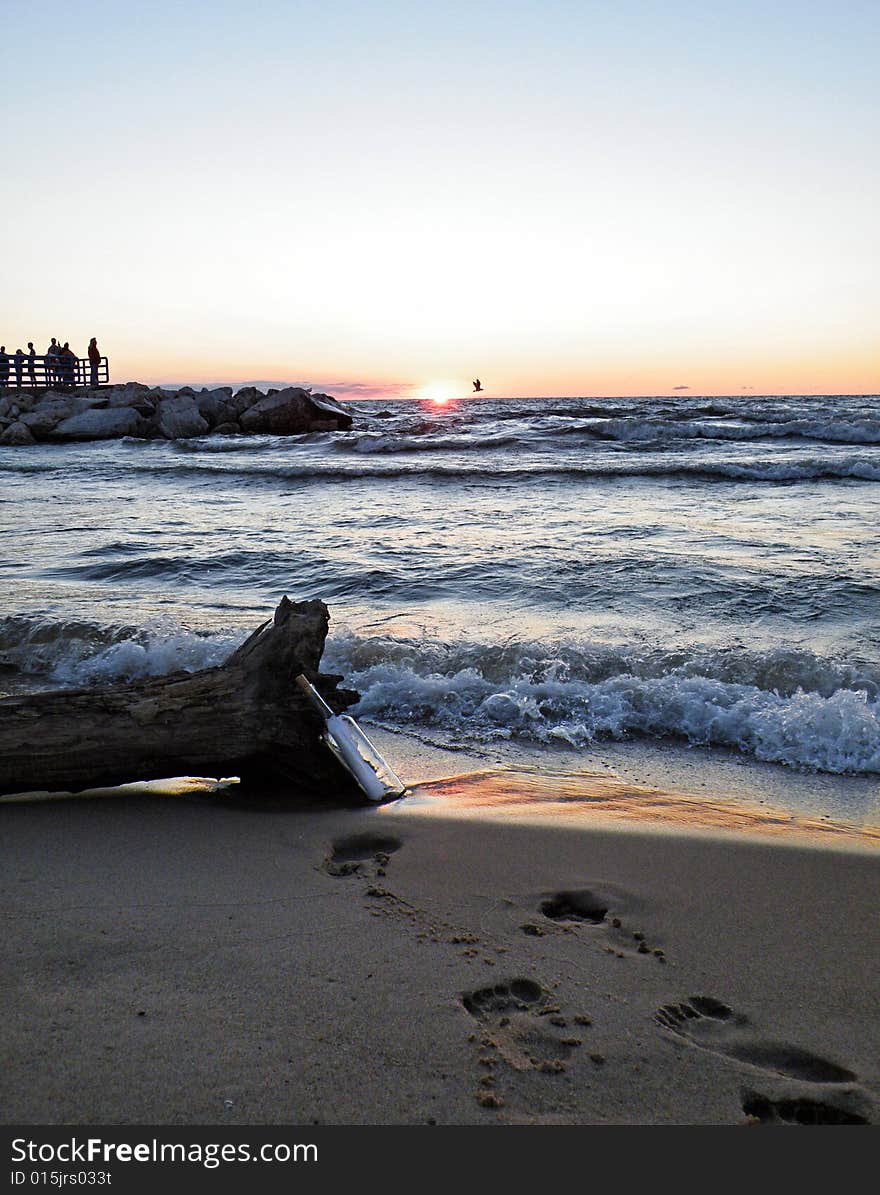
(109, 424)
(17, 434)
(134, 409)
(292, 412)
(120, 398)
(286, 413)
(23, 399)
(215, 406)
(51, 411)
(329, 406)
(144, 402)
(179, 418)
(244, 398)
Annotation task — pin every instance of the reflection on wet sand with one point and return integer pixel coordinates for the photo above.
(575, 795)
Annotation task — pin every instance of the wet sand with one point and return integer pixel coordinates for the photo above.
(200, 959)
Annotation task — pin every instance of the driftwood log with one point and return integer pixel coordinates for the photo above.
(245, 718)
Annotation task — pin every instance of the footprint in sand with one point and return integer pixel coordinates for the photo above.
(796, 1110)
(520, 1019)
(575, 905)
(521, 994)
(361, 854)
(706, 1022)
(587, 906)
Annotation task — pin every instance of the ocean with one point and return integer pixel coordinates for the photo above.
(560, 577)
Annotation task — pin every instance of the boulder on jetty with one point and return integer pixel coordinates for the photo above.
(136, 410)
(179, 418)
(215, 406)
(17, 434)
(245, 718)
(287, 412)
(53, 410)
(101, 424)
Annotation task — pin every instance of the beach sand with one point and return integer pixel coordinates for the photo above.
(225, 960)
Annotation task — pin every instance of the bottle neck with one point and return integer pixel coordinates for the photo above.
(314, 697)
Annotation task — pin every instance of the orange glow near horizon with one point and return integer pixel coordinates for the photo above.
(439, 393)
(509, 368)
(696, 374)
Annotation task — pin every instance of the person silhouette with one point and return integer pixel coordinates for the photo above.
(32, 358)
(53, 373)
(478, 386)
(67, 362)
(94, 362)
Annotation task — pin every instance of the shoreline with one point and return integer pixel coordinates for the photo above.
(566, 788)
(647, 781)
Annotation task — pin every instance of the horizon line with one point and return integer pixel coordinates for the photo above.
(353, 396)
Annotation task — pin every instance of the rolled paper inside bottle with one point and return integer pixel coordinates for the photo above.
(354, 749)
(361, 757)
(373, 758)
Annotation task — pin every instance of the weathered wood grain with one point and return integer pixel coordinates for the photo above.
(244, 718)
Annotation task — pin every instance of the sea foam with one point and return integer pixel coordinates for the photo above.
(76, 653)
(783, 705)
(780, 706)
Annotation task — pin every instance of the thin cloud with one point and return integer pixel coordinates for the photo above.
(363, 389)
(681, 387)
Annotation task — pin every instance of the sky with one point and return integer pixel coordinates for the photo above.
(562, 198)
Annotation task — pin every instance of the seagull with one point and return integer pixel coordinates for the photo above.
(478, 386)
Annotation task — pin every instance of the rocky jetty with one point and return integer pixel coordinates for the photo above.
(151, 413)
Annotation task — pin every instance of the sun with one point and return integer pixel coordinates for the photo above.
(439, 393)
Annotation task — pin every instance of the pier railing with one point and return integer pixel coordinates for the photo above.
(52, 373)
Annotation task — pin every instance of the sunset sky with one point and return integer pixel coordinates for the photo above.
(560, 197)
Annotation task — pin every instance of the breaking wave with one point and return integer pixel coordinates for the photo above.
(788, 469)
(784, 705)
(544, 431)
(781, 706)
(80, 653)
